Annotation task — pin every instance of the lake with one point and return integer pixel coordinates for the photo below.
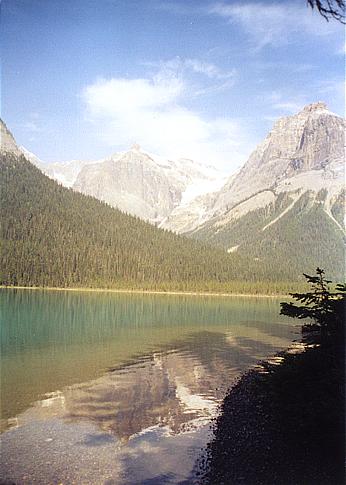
(109, 388)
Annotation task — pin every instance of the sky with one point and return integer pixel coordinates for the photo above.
(82, 79)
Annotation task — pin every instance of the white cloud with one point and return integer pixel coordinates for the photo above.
(119, 95)
(185, 67)
(273, 23)
(208, 69)
(153, 112)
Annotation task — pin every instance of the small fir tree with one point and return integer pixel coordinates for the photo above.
(324, 308)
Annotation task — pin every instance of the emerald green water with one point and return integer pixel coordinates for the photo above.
(124, 365)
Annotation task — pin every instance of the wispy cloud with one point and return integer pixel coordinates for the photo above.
(208, 69)
(153, 112)
(201, 78)
(272, 24)
(182, 66)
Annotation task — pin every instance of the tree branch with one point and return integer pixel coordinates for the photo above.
(330, 9)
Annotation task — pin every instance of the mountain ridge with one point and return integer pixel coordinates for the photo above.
(285, 207)
(182, 195)
(288, 201)
(301, 152)
(52, 236)
(135, 181)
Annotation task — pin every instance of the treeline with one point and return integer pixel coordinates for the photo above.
(303, 236)
(53, 236)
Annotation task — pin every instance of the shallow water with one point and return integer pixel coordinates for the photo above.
(117, 388)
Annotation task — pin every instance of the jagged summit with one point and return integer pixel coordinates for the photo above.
(308, 112)
(134, 181)
(319, 105)
(304, 151)
(7, 142)
(320, 108)
(286, 206)
(305, 141)
(141, 183)
(136, 147)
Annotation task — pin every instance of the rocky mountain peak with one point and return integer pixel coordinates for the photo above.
(320, 105)
(136, 147)
(310, 140)
(141, 183)
(7, 142)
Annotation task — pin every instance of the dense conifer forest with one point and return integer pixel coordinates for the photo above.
(53, 236)
(304, 236)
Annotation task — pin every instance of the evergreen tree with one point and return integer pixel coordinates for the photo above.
(324, 308)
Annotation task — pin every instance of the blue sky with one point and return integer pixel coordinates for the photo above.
(82, 79)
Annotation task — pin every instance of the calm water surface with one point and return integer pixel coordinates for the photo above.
(106, 388)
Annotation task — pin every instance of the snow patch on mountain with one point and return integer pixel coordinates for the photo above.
(144, 184)
(303, 152)
(201, 187)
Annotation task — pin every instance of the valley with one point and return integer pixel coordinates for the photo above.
(172, 182)
(283, 210)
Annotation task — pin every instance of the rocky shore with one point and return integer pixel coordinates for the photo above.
(283, 423)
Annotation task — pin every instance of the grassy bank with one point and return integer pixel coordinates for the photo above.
(282, 424)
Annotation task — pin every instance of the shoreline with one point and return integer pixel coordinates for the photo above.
(147, 292)
(285, 432)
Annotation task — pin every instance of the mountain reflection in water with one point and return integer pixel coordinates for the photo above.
(143, 417)
(172, 388)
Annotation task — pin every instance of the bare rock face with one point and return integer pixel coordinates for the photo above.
(286, 206)
(304, 152)
(7, 142)
(311, 140)
(133, 183)
(138, 183)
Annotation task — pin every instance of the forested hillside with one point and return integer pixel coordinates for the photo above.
(53, 236)
(286, 242)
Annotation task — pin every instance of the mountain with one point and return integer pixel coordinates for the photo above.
(287, 204)
(136, 182)
(141, 184)
(7, 142)
(65, 173)
(311, 141)
(280, 215)
(55, 236)
(193, 212)
(33, 158)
